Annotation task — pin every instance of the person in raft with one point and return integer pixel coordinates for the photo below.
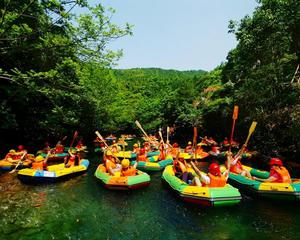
(180, 167)
(128, 170)
(59, 148)
(73, 159)
(39, 163)
(162, 150)
(214, 178)
(234, 164)
(189, 148)
(21, 150)
(136, 148)
(142, 155)
(174, 150)
(278, 173)
(111, 163)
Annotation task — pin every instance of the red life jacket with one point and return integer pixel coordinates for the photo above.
(59, 149)
(281, 173)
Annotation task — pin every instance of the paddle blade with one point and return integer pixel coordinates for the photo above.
(235, 112)
(252, 127)
(168, 130)
(138, 124)
(99, 135)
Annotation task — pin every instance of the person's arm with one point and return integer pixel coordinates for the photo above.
(270, 179)
(203, 177)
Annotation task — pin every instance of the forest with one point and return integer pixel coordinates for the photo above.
(58, 75)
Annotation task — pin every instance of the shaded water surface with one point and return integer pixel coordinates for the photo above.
(81, 208)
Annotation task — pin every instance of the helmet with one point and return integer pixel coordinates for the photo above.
(39, 158)
(275, 161)
(108, 153)
(135, 145)
(142, 150)
(20, 147)
(12, 151)
(73, 151)
(175, 145)
(125, 163)
(214, 169)
(189, 143)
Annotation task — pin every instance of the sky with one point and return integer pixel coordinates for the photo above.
(177, 34)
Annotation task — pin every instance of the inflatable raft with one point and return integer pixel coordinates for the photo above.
(154, 164)
(197, 156)
(280, 191)
(54, 173)
(205, 196)
(56, 156)
(122, 183)
(131, 155)
(6, 165)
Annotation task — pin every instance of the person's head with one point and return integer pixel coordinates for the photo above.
(175, 145)
(135, 145)
(20, 147)
(275, 162)
(142, 151)
(125, 163)
(39, 158)
(108, 154)
(12, 151)
(73, 151)
(189, 143)
(214, 169)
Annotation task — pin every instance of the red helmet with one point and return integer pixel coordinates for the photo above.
(20, 147)
(175, 145)
(275, 161)
(214, 169)
(142, 150)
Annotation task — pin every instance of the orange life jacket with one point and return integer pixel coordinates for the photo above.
(110, 164)
(38, 165)
(142, 158)
(282, 172)
(237, 168)
(216, 181)
(128, 172)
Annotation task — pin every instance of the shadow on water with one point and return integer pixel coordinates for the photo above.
(81, 208)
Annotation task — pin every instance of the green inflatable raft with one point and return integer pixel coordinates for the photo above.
(280, 191)
(205, 196)
(140, 180)
(154, 164)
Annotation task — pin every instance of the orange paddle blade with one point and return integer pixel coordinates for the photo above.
(235, 112)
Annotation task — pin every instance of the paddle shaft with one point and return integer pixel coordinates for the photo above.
(12, 171)
(140, 127)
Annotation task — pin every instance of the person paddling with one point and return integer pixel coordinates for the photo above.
(73, 159)
(111, 164)
(278, 173)
(214, 178)
(235, 165)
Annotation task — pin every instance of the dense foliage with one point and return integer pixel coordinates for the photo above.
(56, 75)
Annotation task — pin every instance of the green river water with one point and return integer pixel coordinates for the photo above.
(81, 208)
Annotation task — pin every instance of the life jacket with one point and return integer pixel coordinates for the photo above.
(216, 181)
(59, 149)
(162, 155)
(128, 172)
(237, 168)
(215, 149)
(110, 164)
(38, 165)
(199, 151)
(142, 158)
(179, 167)
(282, 172)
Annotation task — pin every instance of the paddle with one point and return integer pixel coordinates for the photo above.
(74, 137)
(47, 157)
(161, 137)
(12, 171)
(234, 118)
(195, 141)
(140, 127)
(251, 130)
(168, 132)
(101, 138)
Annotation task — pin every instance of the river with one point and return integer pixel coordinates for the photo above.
(81, 208)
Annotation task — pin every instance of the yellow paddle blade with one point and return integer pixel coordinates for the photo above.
(138, 124)
(235, 112)
(252, 127)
